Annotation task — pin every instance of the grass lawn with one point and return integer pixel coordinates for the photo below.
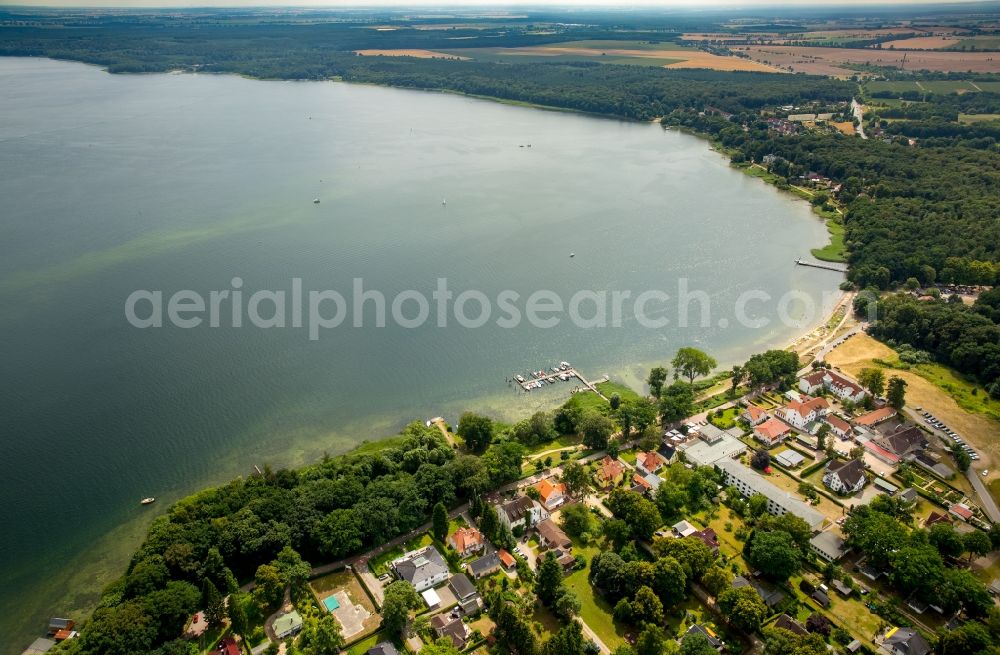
(895, 86)
(978, 118)
(849, 613)
(594, 610)
(360, 647)
(960, 389)
(610, 388)
(562, 441)
(588, 400)
(728, 418)
(833, 251)
(380, 563)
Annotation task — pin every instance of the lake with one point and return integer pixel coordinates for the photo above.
(113, 184)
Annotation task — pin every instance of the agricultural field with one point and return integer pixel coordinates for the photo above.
(991, 42)
(837, 61)
(978, 118)
(922, 43)
(411, 52)
(636, 53)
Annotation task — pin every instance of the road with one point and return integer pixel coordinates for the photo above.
(859, 114)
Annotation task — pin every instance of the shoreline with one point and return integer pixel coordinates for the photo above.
(78, 580)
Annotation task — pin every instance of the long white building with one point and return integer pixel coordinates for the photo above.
(779, 502)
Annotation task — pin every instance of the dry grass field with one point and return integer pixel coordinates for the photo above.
(979, 431)
(922, 43)
(420, 54)
(830, 61)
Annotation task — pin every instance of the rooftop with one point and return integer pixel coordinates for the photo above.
(758, 484)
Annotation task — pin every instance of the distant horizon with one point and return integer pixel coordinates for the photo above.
(481, 4)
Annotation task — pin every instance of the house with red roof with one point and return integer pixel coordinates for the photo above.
(648, 462)
(961, 511)
(552, 495)
(876, 416)
(610, 472)
(467, 541)
(805, 410)
(772, 432)
(838, 426)
(755, 415)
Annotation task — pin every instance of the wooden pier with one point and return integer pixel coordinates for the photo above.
(563, 373)
(823, 265)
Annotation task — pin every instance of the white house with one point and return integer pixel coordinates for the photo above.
(835, 383)
(522, 512)
(801, 412)
(845, 477)
(755, 415)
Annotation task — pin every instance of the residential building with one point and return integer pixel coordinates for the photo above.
(467, 541)
(769, 595)
(841, 588)
(446, 625)
(709, 538)
(789, 458)
(646, 484)
(699, 453)
(508, 561)
(771, 432)
(909, 495)
(802, 412)
(838, 426)
(382, 648)
(287, 625)
(845, 477)
(904, 641)
(755, 415)
(876, 416)
(551, 536)
(936, 518)
(667, 452)
(821, 597)
(648, 462)
(905, 443)
(423, 568)
(57, 624)
(486, 565)
(710, 434)
(828, 545)
(708, 634)
(884, 485)
(835, 383)
(465, 593)
(610, 472)
(552, 494)
(749, 482)
(683, 529)
(522, 512)
(786, 622)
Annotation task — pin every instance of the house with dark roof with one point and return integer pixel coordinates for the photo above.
(423, 568)
(841, 588)
(709, 538)
(845, 477)
(485, 565)
(446, 625)
(904, 641)
(708, 634)
(821, 597)
(667, 452)
(771, 597)
(828, 545)
(786, 622)
(905, 443)
(522, 512)
(383, 648)
(465, 593)
(551, 535)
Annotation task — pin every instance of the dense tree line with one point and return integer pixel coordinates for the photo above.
(967, 338)
(256, 528)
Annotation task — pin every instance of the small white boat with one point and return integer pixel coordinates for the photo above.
(147, 501)
(444, 202)
(315, 201)
(572, 254)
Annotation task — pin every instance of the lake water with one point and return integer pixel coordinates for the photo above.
(111, 184)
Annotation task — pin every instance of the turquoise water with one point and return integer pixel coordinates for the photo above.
(117, 183)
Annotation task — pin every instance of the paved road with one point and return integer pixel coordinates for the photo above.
(858, 112)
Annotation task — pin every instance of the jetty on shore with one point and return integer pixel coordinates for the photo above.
(823, 265)
(564, 372)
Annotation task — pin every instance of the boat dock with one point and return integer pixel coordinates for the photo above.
(823, 265)
(562, 373)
